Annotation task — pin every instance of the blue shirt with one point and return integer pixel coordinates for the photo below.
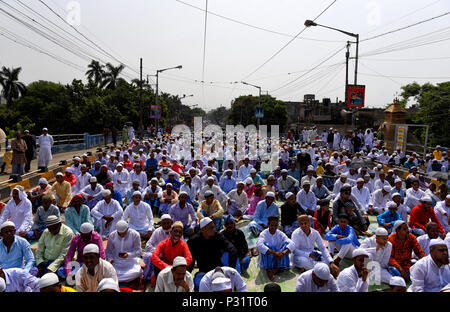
(149, 163)
(175, 184)
(262, 212)
(227, 185)
(20, 250)
(348, 232)
(295, 174)
(388, 217)
(401, 192)
(256, 179)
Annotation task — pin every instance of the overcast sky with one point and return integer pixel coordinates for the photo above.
(167, 33)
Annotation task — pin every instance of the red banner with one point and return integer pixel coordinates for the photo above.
(356, 96)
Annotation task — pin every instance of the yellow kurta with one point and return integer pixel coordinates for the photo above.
(214, 210)
(64, 193)
(7, 158)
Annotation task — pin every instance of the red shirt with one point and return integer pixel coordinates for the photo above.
(72, 179)
(127, 164)
(165, 252)
(419, 217)
(178, 169)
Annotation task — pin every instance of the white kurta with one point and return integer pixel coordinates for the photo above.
(124, 178)
(307, 200)
(277, 240)
(45, 150)
(363, 196)
(21, 215)
(101, 209)
(413, 197)
(127, 269)
(381, 256)
(82, 182)
(158, 236)
(237, 283)
(440, 209)
(427, 277)
(142, 177)
(305, 283)
(141, 217)
(304, 245)
(241, 200)
(348, 281)
(380, 200)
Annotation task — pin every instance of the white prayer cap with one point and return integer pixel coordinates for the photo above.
(92, 179)
(68, 169)
(91, 248)
(344, 175)
(397, 180)
(86, 227)
(136, 181)
(141, 150)
(48, 279)
(397, 281)
(77, 158)
(84, 155)
(437, 241)
(371, 171)
(52, 220)
(381, 231)
(43, 181)
(248, 180)
(347, 185)
(179, 261)
(240, 182)
(398, 223)
(391, 204)
(137, 193)
(306, 182)
(166, 216)
(284, 171)
(121, 226)
(169, 184)
(60, 174)
(387, 188)
(322, 271)
(220, 282)
(44, 129)
(228, 170)
(154, 179)
(253, 170)
(448, 196)
(208, 193)
(310, 168)
(289, 194)
(204, 222)
(446, 287)
(390, 171)
(319, 178)
(360, 252)
(359, 180)
(379, 166)
(426, 199)
(108, 283)
(396, 194)
(270, 194)
(183, 192)
(106, 193)
(2, 284)
(6, 224)
(211, 178)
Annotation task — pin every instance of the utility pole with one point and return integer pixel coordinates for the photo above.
(141, 127)
(156, 102)
(347, 56)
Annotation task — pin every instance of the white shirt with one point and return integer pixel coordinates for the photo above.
(427, 277)
(82, 182)
(380, 200)
(304, 244)
(338, 185)
(142, 177)
(158, 236)
(19, 280)
(348, 281)
(277, 239)
(244, 172)
(165, 282)
(102, 208)
(45, 140)
(190, 190)
(307, 200)
(21, 214)
(124, 177)
(237, 283)
(218, 193)
(363, 196)
(305, 283)
(413, 197)
(241, 200)
(424, 242)
(381, 255)
(379, 185)
(440, 209)
(141, 216)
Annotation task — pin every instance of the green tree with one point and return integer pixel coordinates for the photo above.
(95, 72)
(434, 109)
(12, 87)
(111, 76)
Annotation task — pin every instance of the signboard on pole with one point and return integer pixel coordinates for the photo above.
(259, 112)
(155, 111)
(401, 133)
(356, 95)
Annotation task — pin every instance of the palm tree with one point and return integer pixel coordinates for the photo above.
(136, 82)
(12, 87)
(110, 77)
(95, 71)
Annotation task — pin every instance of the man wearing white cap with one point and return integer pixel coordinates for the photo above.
(222, 279)
(413, 195)
(442, 211)
(239, 200)
(227, 182)
(379, 250)
(264, 209)
(397, 284)
(35, 195)
(181, 211)
(244, 169)
(123, 251)
(431, 273)
(53, 246)
(160, 234)
(121, 179)
(76, 166)
(432, 232)
(210, 249)
(339, 183)
(47, 209)
(19, 211)
(389, 217)
(355, 278)
(107, 213)
(108, 285)
(86, 236)
(219, 194)
(138, 174)
(274, 247)
(82, 179)
(175, 278)
(306, 199)
(286, 183)
(45, 143)
(362, 194)
(318, 279)
(140, 216)
(381, 181)
(380, 198)
(17, 280)
(211, 207)
(15, 251)
(420, 216)
(92, 192)
(50, 283)
(94, 270)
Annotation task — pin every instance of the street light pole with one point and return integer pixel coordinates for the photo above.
(141, 125)
(259, 100)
